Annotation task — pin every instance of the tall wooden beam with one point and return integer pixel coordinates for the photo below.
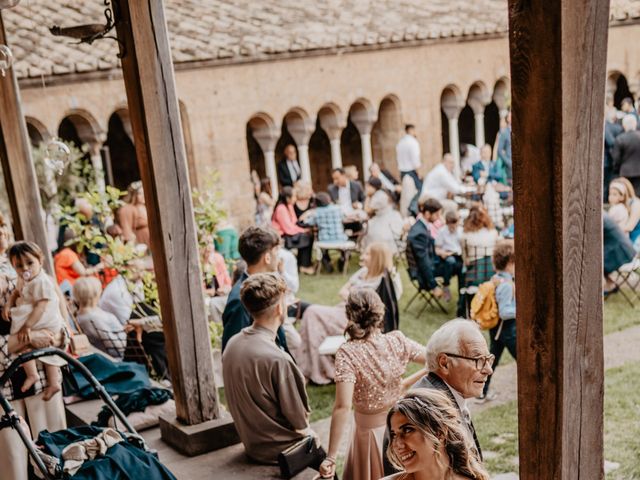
(19, 173)
(155, 119)
(558, 59)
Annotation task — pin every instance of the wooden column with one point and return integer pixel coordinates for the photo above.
(558, 58)
(19, 173)
(155, 119)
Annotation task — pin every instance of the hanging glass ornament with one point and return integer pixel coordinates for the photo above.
(6, 59)
(57, 156)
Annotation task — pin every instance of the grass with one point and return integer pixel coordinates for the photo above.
(497, 426)
(498, 434)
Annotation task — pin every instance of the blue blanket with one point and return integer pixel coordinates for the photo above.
(123, 461)
(117, 378)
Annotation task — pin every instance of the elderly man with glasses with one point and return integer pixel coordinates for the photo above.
(458, 364)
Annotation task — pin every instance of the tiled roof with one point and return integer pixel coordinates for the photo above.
(245, 30)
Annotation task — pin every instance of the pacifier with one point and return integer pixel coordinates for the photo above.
(26, 276)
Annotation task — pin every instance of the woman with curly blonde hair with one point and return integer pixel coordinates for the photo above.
(428, 440)
(368, 375)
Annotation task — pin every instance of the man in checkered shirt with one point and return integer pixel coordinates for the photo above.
(327, 216)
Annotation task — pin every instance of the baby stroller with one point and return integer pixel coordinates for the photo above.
(10, 419)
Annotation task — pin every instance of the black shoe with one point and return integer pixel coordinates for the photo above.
(326, 264)
(341, 264)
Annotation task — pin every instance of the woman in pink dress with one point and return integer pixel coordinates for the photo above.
(369, 369)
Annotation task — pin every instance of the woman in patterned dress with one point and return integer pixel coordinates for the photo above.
(368, 375)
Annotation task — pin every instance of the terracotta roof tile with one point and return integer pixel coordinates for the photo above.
(208, 30)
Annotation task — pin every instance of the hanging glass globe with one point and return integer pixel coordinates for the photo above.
(57, 156)
(6, 59)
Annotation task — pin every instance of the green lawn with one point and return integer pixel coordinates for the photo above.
(498, 426)
(498, 433)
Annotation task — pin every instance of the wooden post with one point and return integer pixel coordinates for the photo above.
(19, 173)
(558, 58)
(155, 120)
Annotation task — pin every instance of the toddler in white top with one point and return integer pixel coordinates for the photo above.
(34, 305)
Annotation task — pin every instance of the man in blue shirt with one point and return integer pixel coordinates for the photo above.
(259, 248)
(503, 335)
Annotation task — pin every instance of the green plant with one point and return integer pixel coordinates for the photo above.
(207, 208)
(215, 335)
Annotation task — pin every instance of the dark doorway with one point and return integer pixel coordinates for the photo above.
(351, 146)
(124, 164)
(320, 159)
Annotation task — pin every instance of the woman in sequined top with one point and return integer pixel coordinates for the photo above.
(368, 375)
(428, 440)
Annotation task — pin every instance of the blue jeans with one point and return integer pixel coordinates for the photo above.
(416, 179)
(507, 339)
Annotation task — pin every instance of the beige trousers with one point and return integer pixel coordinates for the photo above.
(40, 415)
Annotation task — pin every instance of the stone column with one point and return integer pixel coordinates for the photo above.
(270, 167)
(96, 161)
(333, 124)
(452, 106)
(454, 144)
(303, 158)
(301, 127)
(267, 136)
(363, 118)
(336, 153)
(478, 100)
(367, 154)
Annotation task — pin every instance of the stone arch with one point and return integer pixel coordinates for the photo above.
(262, 135)
(477, 100)
(617, 88)
(451, 103)
(300, 126)
(121, 163)
(387, 132)
(37, 131)
(81, 128)
(355, 142)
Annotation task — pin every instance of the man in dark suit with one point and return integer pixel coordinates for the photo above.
(346, 193)
(422, 246)
(459, 363)
(626, 152)
(259, 248)
(289, 171)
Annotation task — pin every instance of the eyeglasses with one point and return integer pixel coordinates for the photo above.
(481, 362)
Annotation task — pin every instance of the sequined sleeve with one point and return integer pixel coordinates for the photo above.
(408, 349)
(345, 370)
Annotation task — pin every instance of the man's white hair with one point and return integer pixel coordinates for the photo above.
(448, 338)
(629, 122)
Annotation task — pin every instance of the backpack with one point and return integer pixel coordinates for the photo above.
(484, 307)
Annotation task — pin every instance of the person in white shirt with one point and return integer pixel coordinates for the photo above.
(441, 184)
(408, 155)
(449, 249)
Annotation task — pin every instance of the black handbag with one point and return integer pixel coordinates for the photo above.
(302, 454)
(299, 240)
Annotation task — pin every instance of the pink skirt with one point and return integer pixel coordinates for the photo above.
(364, 458)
